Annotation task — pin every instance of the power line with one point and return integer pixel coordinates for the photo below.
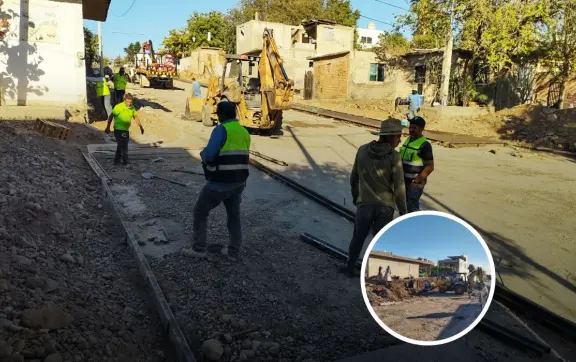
(394, 6)
(130, 8)
(376, 20)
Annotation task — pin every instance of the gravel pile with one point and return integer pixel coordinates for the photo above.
(284, 301)
(69, 289)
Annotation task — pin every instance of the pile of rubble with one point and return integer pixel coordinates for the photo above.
(387, 292)
(68, 285)
(536, 126)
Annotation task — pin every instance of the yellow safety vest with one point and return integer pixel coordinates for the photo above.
(102, 89)
(411, 161)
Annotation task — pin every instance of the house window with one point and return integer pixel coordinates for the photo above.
(365, 40)
(420, 74)
(376, 72)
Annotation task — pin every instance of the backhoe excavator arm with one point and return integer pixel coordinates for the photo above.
(276, 87)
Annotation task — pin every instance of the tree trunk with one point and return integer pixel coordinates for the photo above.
(562, 93)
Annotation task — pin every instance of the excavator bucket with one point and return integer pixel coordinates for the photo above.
(194, 108)
(278, 88)
(199, 108)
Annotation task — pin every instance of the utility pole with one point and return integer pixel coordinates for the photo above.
(100, 49)
(447, 59)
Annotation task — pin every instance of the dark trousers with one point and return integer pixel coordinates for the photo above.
(371, 217)
(122, 138)
(119, 95)
(207, 201)
(413, 196)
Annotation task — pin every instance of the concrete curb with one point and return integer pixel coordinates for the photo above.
(171, 327)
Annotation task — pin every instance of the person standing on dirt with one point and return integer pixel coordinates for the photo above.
(120, 82)
(196, 89)
(122, 114)
(415, 103)
(103, 93)
(225, 161)
(377, 183)
(418, 163)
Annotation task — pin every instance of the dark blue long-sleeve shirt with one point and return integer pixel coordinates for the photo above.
(211, 152)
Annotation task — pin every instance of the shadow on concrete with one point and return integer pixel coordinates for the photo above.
(432, 316)
(461, 319)
(22, 67)
(511, 252)
(143, 102)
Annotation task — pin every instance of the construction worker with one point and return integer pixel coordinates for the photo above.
(120, 82)
(122, 114)
(377, 183)
(225, 162)
(196, 89)
(414, 100)
(103, 93)
(418, 162)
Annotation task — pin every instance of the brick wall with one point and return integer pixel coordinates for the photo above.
(331, 78)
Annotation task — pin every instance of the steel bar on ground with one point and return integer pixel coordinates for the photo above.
(547, 318)
(338, 209)
(327, 246)
(268, 158)
(495, 329)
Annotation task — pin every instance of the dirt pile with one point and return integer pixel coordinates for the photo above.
(386, 292)
(68, 284)
(536, 126)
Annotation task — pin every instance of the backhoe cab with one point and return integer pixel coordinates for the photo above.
(259, 99)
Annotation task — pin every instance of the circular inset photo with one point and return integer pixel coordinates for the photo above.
(428, 278)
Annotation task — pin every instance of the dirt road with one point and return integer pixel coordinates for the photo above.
(521, 202)
(434, 317)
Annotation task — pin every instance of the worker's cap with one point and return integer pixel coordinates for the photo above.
(226, 109)
(418, 121)
(390, 127)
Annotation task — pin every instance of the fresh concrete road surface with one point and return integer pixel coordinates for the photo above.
(521, 202)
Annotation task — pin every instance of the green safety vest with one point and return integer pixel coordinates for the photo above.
(102, 89)
(119, 82)
(411, 161)
(232, 162)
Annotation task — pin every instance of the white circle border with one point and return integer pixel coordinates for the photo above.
(415, 341)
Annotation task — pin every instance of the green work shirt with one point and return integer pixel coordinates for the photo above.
(123, 116)
(119, 82)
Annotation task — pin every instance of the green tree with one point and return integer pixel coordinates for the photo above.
(90, 47)
(559, 43)
(131, 50)
(118, 61)
(391, 44)
(177, 42)
(200, 26)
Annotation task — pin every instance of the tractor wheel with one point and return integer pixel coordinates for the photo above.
(442, 290)
(206, 116)
(459, 289)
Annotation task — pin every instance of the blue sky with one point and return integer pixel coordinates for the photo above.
(432, 237)
(149, 19)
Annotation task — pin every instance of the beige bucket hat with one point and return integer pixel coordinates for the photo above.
(390, 126)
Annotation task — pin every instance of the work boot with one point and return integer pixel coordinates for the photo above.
(190, 252)
(228, 255)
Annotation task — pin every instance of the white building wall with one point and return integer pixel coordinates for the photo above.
(48, 68)
(368, 33)
(249, 36)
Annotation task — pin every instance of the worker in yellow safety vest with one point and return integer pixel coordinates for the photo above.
(103, 93)
(417, 162)
(120, 82)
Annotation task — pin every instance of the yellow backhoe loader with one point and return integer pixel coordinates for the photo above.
(259, 100)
